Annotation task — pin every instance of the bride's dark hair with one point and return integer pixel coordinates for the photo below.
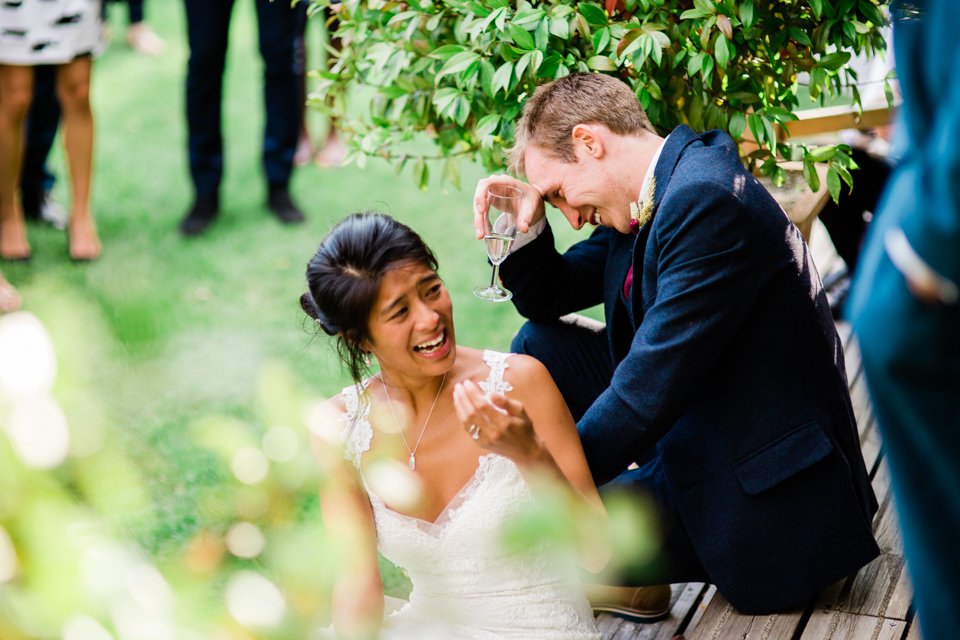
(344, 276)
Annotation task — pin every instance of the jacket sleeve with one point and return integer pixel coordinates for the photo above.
(709, 271)
(547, 284)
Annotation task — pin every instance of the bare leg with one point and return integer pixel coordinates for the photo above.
(9, 299)
(16, 92)
(73, 89)
(333, 152)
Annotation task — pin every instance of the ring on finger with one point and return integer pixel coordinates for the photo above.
(474, 432)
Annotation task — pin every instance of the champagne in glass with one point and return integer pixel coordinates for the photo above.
(500, 225)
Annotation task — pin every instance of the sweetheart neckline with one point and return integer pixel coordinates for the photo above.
(459, 495)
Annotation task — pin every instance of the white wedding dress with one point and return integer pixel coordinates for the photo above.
(465, 585)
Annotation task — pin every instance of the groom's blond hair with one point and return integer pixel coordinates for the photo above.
(555, 108)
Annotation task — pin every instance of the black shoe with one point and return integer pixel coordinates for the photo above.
(42, 208)
(202, 213)
(282, 206)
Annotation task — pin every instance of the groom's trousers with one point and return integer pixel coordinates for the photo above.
(576, 353)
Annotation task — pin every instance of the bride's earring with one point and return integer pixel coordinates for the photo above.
(366, 359)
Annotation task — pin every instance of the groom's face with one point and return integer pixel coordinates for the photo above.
(579, 190)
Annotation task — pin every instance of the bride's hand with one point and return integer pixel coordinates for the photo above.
(497, 423)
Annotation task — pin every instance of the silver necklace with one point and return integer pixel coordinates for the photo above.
(412, 462)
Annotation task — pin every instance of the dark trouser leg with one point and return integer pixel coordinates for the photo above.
(134, 11)
(42, 122)
(575, 352)
(279, 26)
(208, 24)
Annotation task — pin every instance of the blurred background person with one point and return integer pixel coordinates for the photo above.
(140, 36)
(208, 26)
(9, 298)
(66, 33)
(36, 178)
(905, 310)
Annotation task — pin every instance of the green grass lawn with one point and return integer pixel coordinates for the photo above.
(164, 336)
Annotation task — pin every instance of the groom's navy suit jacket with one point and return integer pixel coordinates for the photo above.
(729, 376)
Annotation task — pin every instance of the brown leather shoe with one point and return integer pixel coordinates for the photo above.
(640, 604)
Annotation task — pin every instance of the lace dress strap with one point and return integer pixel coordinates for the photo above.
(497, 362)
(357, 432)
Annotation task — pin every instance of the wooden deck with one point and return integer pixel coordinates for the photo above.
(875, 604)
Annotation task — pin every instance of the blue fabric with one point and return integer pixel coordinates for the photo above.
(911, 348)
(725, 349)
(208, 23)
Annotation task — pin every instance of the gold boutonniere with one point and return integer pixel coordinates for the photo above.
(642, 210)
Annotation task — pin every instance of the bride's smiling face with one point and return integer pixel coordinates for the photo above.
(411, 323)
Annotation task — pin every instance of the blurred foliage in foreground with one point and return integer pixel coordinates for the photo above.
(256, 562)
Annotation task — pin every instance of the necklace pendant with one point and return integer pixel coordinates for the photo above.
(412, 463)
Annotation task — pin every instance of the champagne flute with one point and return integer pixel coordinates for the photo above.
(500, 229)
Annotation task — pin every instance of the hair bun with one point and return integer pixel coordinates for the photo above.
(309, 307)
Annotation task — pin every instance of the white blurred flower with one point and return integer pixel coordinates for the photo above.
(394, 483)
(38, 431)
(84, 628)
(28, 364)
(245, 540)
(254, 601)
(249, 465)
(8, 557)
(281, 444)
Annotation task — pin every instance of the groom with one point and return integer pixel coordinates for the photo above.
(719, 370)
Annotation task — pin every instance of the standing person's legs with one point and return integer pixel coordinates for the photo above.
(73, 90)
(36, 180)
(208, 25)
(140, 36)
(16, 93)
(283, 96)
(333, 152)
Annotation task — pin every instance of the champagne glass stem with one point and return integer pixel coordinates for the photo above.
(493, 276)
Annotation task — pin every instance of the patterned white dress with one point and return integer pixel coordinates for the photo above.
(465, 585)
(35, 32)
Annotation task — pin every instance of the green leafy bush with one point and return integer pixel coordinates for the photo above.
(459, 70)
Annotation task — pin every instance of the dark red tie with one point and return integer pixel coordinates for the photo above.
(627, 283)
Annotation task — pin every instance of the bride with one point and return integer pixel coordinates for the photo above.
(474, 427)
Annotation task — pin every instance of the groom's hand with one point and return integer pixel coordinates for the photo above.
(531, 209)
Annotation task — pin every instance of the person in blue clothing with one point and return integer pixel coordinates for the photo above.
(718, 374)
(905, 310)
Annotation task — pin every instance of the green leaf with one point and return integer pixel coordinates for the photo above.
(823, 154)
(835, 61)
(447, 51)
(704, 5)
(721, 52)
(486, 77)
(457, 64)
(488, 124)
(601, 38)
(527, 17)
(560, 28)
(601, 63)
(521, 37)
(501, 79)
(629, 43)
(811, 177)
(541, 35)
(833, 183)
(451, 172)
(817, 7)
(799, 35)
(693, 14)
(737, 125)
(694, 64)
(746, 13)
(756, 127)
(461, 110)
(593, 14)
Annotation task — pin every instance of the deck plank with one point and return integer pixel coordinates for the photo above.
(684, 599)
(839, 625)
(721, 622)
